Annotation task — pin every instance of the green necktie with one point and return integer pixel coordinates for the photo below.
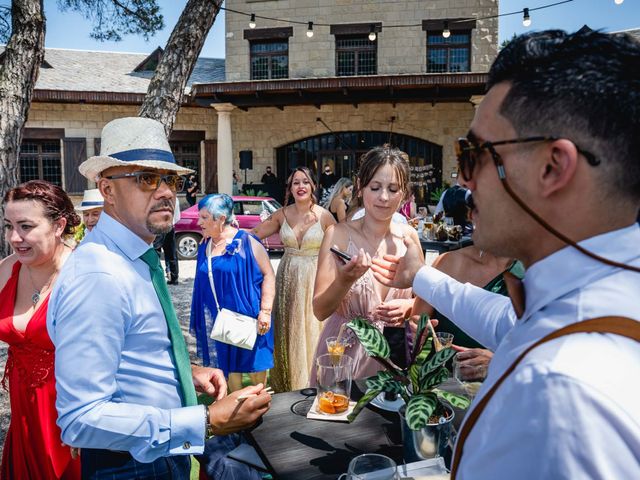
(180, 353)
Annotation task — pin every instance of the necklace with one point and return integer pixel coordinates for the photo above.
(35, 297)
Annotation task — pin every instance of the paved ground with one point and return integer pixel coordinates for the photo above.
(181, 295)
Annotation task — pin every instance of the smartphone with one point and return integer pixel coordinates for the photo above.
(343, 256)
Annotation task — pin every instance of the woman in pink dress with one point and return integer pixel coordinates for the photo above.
(39, 217)
(345, 290)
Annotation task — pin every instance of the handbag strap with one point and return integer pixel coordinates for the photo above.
(622, 326)
(211, 284)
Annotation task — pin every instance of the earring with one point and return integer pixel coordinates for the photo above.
(481, 253)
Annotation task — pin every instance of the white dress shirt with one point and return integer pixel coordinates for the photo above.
(116, 381)
(571, 409)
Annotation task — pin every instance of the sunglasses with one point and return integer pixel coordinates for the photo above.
(469, 150)
(150, 182)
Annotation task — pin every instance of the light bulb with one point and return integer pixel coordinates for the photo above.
(446, 33)
(526, 19)
(310, 30)
(619, 2)
(252, 22)
(372, 33)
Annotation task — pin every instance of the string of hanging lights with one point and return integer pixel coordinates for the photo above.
(446, 32)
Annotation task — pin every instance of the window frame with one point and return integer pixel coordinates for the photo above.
(269, 55)
(39, 155)
(447, 46)
(357, 51)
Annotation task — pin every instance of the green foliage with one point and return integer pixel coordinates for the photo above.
(371, 338)
(250, 192)
(437, 193)
(417, 384)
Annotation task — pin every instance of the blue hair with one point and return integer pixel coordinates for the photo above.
(218, 204)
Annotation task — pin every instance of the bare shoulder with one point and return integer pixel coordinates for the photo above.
(339, 233)
(452, 263)
(6, 266)
(323, 215)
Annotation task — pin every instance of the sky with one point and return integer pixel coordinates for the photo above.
(597, 14)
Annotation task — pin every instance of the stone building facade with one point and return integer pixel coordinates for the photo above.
(288, 98)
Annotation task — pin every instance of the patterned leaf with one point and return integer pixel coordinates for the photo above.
(457, 401)
(419, 409)
(440, 358)
(414, 369)
(435, 378)
(366, 398)
(422, 323)
(370, 337)
(384, 382)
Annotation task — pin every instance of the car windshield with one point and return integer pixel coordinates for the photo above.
(271, 205)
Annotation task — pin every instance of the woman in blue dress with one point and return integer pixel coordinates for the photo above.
(244, 282)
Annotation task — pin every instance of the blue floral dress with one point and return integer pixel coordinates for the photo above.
(238, 283)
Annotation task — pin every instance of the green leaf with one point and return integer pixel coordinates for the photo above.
(364, 400)
(440, 358)
(419, 409)
(457, 401)
(422, 323)
(434, 378)
(416, 366)
(370, 337)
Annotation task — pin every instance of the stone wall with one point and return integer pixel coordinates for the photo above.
(400, 50)
(265, 129)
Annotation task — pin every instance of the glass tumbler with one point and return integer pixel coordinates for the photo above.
(334, 383)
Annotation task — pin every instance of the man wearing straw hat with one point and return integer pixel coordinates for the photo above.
(125, 387)
(91, 208)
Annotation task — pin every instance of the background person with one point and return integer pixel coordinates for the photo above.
(39, 218)
(344, 291)
(269, 178)
(90, 209)
(327, 180)
(482, 269)
(125, 388)
(244, 283)
(539, 160)
(301, 226)
(192, 189)
(338, 201)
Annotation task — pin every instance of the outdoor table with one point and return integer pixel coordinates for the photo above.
(445, 246)
(294, 447)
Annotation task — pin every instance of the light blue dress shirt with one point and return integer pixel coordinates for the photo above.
(571, 409)
(117, 385)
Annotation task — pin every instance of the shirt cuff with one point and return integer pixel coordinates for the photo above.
(426, 281)
(187, 431)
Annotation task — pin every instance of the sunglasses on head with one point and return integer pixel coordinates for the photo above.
(468, 151)
(150, 181)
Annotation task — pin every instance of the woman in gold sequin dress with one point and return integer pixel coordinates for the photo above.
(347, 289)
(296, 329)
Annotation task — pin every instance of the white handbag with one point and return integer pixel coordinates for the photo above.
(232, 327)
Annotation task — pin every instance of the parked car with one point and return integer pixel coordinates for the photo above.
(249, 212)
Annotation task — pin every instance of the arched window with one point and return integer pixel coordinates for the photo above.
(342, 151)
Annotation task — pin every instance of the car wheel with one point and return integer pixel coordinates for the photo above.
(187, 245)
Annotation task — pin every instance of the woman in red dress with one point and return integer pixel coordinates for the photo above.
(39, 216)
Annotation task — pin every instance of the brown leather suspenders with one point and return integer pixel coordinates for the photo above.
(616, 325)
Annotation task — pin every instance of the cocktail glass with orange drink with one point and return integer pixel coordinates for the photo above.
(336, 347)
(334, 383)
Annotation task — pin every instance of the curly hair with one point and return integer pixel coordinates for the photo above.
(55, 202)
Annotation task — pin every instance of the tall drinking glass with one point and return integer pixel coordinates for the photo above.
(334, 383)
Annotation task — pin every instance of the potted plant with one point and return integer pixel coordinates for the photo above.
(427, 414)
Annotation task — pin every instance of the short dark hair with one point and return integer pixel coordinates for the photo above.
(55, 202)
(584, 86)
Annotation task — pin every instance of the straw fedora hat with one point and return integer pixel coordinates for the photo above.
(132, 141)
(90, 200)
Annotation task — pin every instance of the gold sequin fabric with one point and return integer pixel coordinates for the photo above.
(296, 329)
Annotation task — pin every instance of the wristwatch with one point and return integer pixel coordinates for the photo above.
(207, 425)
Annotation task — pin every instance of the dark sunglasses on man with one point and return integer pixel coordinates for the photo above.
(469, 149)
(150, 181)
